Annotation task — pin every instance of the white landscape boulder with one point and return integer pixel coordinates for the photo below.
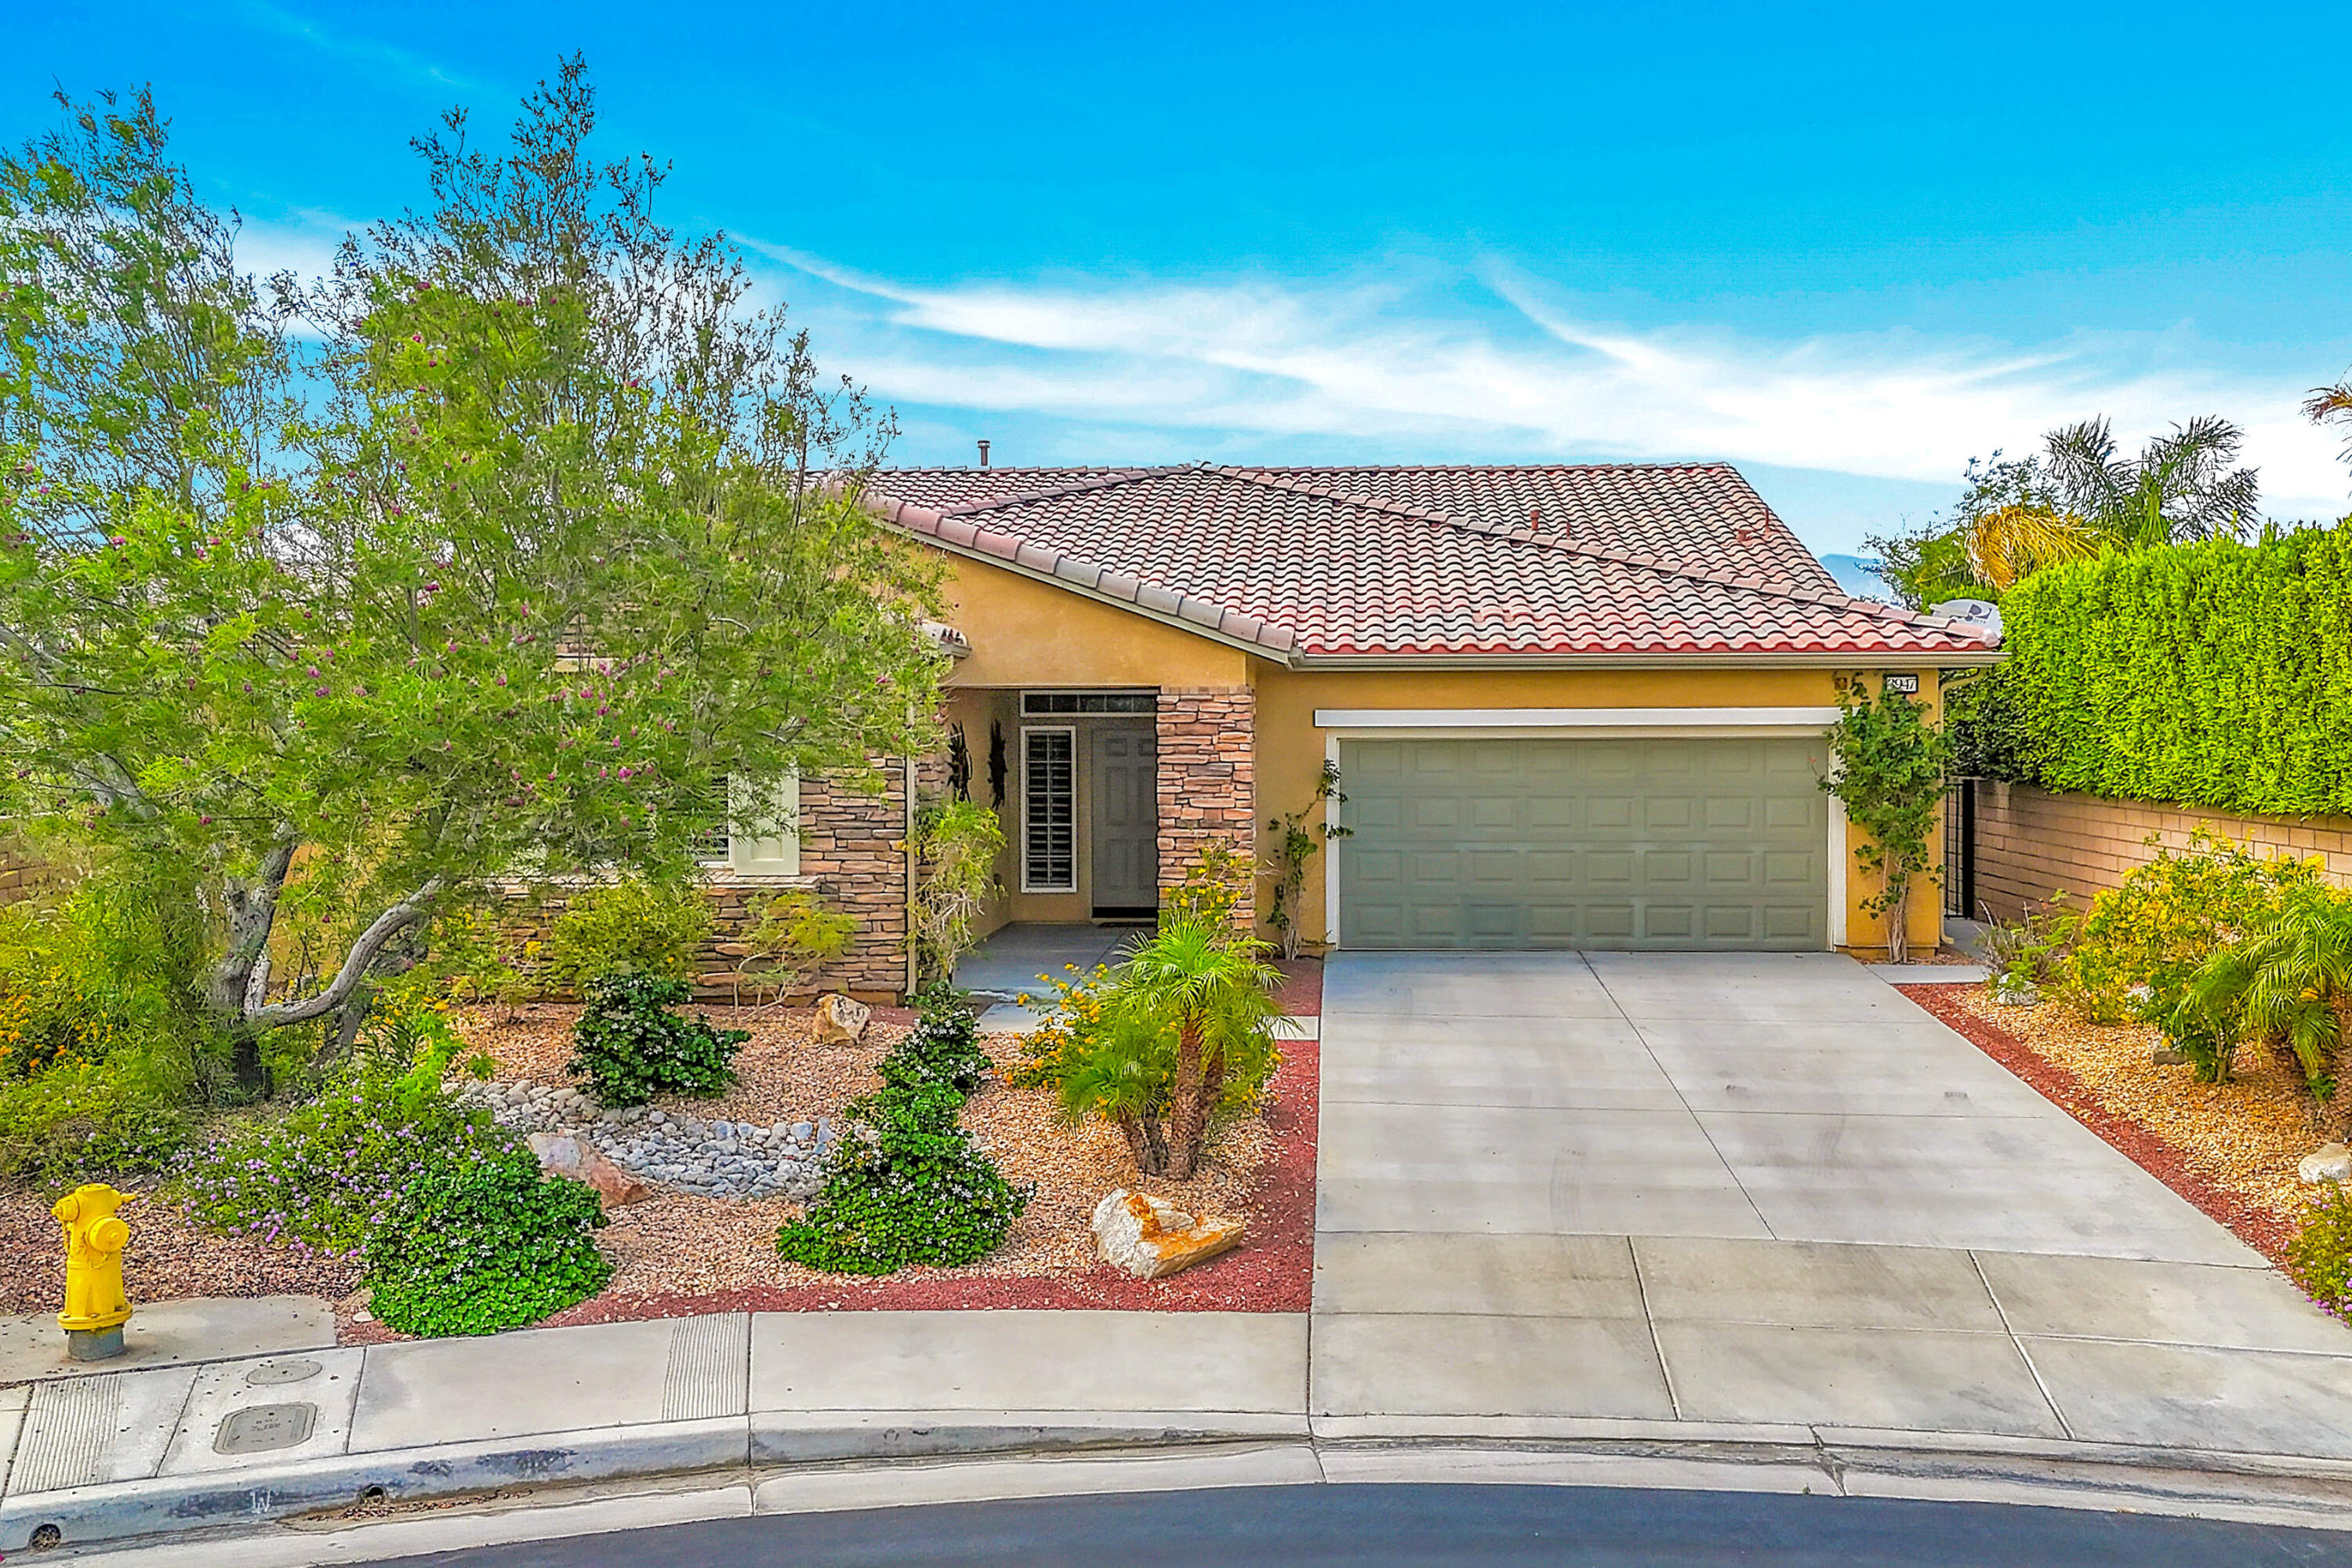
(1152, 1239)
(2328, 1163)
(840, 1019)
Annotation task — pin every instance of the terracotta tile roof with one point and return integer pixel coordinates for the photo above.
(1429, 560)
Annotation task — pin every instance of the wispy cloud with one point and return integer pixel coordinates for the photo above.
(366, 51)
(1497, 362)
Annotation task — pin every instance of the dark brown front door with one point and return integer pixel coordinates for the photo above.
(1125, 834)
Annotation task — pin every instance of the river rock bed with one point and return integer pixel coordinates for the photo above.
(716, 1158)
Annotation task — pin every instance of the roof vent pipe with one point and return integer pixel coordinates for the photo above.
(984, 454)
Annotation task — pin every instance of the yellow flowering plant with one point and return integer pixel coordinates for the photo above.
(2141, 940)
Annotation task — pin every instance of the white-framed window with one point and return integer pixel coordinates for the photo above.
(1049, 808)
(761, 839)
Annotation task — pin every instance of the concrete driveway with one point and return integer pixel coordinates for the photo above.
(1759, 1189)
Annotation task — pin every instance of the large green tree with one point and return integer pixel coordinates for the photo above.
(534, 539)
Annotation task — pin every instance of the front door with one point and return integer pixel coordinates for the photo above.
(1125, 835)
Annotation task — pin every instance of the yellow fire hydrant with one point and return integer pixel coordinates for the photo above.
(96, 1304)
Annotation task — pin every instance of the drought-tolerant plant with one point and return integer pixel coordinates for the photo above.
(74, 1121)
(1211, 893)
(629, 1045)
(795, 937)
(1892, 761)
(327, 1173)
(479, 961)
(2290, 981)
(1072, 1020)
(2319, 1258)
(2144, 937)
(1294, 845)
(2031, 952)
(905, 1184)
(491, 555)
(956, 843)
(483, 1246)
(1186, 1032)
(942, 1050)
(628, 927)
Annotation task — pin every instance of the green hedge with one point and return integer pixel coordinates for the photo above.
(2217, 674)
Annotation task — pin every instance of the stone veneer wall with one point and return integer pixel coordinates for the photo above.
(1208, 781)
(852, 852)
(18, 875)
(2032, 843)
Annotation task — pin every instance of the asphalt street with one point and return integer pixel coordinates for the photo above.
(1394, 1526)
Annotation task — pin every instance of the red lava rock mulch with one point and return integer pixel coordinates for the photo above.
(2254, 1224)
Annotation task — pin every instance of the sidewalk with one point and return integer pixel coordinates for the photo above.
(801, 1406)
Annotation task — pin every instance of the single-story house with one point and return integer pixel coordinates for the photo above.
(1570, 706)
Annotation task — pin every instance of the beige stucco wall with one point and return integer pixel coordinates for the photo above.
(1025, 633)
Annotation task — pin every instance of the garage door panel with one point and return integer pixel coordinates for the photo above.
(1681, 843)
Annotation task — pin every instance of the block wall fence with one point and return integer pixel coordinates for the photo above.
(2030, 843)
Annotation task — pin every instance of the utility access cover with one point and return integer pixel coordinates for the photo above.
(287, 1369)
(261, 1428)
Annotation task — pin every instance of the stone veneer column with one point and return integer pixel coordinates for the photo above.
(1208, 781)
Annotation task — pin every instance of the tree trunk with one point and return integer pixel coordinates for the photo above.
(1898, 936)
(251, 906)
(1186, 1115)
(1144, 1142)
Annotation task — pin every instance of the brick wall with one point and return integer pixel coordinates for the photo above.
(853, 853)
(2031, 842)
(1208, 780)
(18, 875)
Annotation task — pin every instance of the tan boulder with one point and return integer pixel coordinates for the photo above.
(561, 1154)
(840, 1019)
(2328, 1163)
(1152, 1239)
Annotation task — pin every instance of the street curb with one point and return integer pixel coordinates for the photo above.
(131, 1511)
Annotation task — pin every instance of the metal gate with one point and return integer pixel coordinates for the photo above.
(1960, 848)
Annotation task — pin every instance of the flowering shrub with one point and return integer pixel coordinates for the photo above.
(626, 928)
(2319, 1258)
(1073, 1020)
(77, 1120)
(629, 1047)
(906, 1184)
(475, 1249)
(2141, 940)
(328, 1174)
(943, 1050)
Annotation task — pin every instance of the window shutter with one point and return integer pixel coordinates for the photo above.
(778, 853)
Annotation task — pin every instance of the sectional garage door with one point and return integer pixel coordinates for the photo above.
(1595, 843)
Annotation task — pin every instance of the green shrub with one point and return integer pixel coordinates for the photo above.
(109, 969)
(80, 1120)
(627, 928)
(477, 1247)
(629, 1047)
(1073, 1019)
(2319, 1258)
(2142, 940)
(329, 1172)
(942, 1050)
(905, 1184)
(2212, 674)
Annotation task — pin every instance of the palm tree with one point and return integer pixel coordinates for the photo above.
(1189, 1010)
(2332, 403)
(2078, 497)
(2291, 981)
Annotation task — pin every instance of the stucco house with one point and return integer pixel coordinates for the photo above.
(1570, 705)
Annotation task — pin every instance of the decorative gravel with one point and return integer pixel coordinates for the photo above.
(681, 1251)
(2229, 1149)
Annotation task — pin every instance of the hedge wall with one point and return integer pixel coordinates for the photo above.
(2216, 674)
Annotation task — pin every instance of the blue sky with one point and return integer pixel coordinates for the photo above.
(1845, 247)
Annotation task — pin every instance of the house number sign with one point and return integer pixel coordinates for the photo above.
(1907, 684)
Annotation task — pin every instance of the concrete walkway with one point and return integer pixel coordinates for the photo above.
(1556, 1190)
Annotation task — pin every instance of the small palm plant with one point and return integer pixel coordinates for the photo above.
(1186, 1031)
(2291, 981)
